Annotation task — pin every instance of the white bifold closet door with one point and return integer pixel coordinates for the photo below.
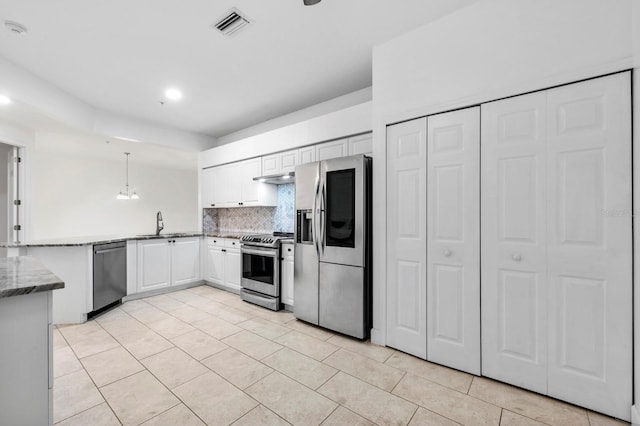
(513, 226)
(407, 237)
(453, 239)
(556, 243)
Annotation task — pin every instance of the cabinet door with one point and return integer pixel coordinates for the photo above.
(513, 229)
(286, 281)
(185, 260)
(271, 165)
(589, 251)
(407, 237)
(215, 265)
(453, 235)
(208, 187)
(307, 154)
(288, 161)
(229, 185)
(232, 269)
(250, 188)
(154, 264)
(361, 144)
(333, 149)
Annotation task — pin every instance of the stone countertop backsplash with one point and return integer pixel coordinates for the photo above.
(25, 275)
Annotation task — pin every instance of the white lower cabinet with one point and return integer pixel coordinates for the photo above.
(286, 271)
(26, 359)
(223, 263)
(166, 262)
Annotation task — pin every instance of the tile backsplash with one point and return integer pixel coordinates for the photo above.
(284, 217)
(254, 219)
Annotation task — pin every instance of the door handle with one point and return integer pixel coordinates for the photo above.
(109, 250)
(447, 253)
(323, 216)
(314, 215)
(516, 257)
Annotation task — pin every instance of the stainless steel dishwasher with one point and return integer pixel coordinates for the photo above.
(109, 275)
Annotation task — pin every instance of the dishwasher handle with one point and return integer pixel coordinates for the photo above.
(109, 250)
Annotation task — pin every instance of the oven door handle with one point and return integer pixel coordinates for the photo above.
(259, 252)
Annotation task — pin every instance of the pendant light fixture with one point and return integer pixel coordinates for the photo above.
(125, 194)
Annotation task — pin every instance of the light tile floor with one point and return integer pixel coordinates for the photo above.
(202, 356)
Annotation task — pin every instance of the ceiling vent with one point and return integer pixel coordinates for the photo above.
(232, 22)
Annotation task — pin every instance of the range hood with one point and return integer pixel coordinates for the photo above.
(279, 179)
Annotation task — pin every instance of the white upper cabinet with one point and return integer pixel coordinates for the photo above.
(271, 164)
(361, 144)
(333, 149)
(307, 154)
(250, 190)
(281, 162)
(232, 185)
(289, 160)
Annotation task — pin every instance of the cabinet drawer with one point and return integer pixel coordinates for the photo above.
(215, 241)
(232, 243)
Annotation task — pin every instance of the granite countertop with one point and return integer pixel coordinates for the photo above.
(24, 275)
(227, 234)
(102, 239)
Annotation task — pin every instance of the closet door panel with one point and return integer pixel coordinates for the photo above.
(513, 229)
(453, 239)
(589, 244)
(406, 237)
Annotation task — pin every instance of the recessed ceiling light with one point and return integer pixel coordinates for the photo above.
(4, 100)
(173, 94)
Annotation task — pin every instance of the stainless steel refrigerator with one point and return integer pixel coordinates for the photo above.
(332, 269)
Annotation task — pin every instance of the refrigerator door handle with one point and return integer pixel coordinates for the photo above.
(314, 226)
(323, 216)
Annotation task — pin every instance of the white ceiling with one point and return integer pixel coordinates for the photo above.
(119, 55)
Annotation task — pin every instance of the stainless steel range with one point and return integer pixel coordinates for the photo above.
(260, 282)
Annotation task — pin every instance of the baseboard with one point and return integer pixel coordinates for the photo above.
(635, 415)
(222, 287)
(377, 338)
(164, 290)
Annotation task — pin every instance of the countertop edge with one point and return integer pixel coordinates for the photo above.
(23, 275)
(31, 289)
(106, 240)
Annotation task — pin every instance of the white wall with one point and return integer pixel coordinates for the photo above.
(76, 179)
(488, 50)
(635, 18)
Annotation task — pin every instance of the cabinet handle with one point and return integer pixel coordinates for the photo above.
(223, 250)
(288, 249)
(447, 253)
(240, 204)
(215, 241)
(516, 257)
(213, 205)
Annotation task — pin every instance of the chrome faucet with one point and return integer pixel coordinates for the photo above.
(159, 223)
